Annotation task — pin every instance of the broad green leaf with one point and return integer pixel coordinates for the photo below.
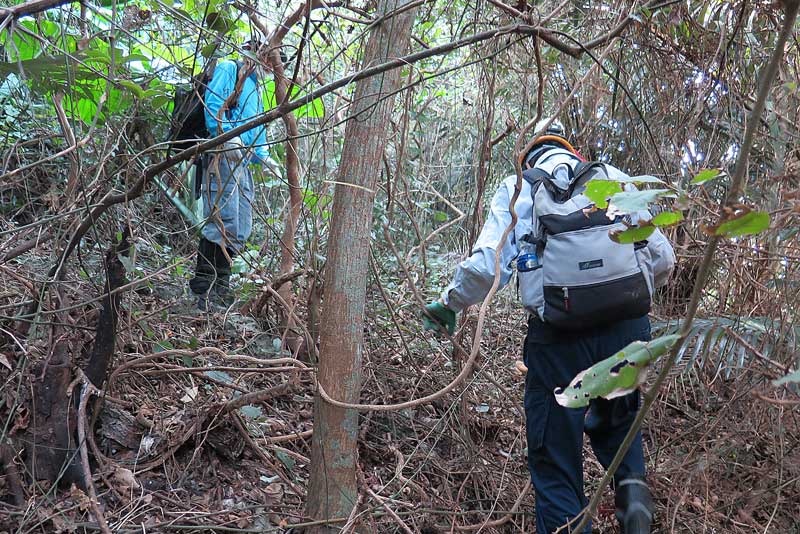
(439, 216)
(160, 101)
(706, 176)
(599, 191)
(162, 346)
(314, 109)
(133, 87)
(615, 376)
(285, 459)
(643, 179)
(250, 411)
(633, 234)
(791, 378)
(22, 46)
(220, 376)
(208, 50)
(668, 218)
(633, 201)
(748, 223)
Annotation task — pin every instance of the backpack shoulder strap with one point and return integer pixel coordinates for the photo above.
(583, 173)
(534, 176)
(205, 76)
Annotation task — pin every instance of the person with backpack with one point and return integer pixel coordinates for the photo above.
(587, 297)
(231, 97)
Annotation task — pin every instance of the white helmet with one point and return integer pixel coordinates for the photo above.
(549, 126)
(548, 134)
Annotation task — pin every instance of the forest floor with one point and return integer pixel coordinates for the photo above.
(179, 449)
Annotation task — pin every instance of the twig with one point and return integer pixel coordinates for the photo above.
(776, 402)
(87, 391)
(503, 520)
(257, 397)
(7, 462)
(261, 454)
(289, 437)
(391, 512)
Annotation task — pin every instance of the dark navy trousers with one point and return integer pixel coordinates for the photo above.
(555, 433)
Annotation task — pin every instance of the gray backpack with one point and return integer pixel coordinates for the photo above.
(585, 279)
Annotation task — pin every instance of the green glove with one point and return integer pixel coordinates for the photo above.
(439, 315)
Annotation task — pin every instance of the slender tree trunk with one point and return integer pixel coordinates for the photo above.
(332, 489)
(293, 341)
(51, 437)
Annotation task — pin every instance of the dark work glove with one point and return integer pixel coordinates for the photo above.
(438, 315)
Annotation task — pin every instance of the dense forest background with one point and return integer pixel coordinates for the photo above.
(391, 122)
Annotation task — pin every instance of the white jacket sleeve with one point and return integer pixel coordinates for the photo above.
(475, 275)
(663, 257)
(661, 253)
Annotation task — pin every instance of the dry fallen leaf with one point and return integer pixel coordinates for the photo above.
(126, 478)
(191, 394)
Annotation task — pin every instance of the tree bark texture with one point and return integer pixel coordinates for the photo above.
(332, 489)
(293, 341)
(106, 331)
(50, 436)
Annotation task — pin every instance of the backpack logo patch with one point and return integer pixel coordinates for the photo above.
(592, 264)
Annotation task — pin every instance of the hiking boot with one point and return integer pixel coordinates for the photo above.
(218, 297)
(214, 301)
(205, 272)
(211, 282)
(634, 505)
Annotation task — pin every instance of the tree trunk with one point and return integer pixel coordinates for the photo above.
(51, 436)
(332, 491)
(293, 341)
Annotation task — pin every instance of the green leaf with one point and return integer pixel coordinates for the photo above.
(160, 101)
(749, 223)
(285, 459)
(615, 376)
(706, 176)
(668, 218)
(643, 179)
(220, 376)
(208, 50)
(251, 412)
(161, 346)
(632, 235)
(314, 109)
(439, 216)
(599, 191)
(133, 87)
(791, 378)
(633, 201)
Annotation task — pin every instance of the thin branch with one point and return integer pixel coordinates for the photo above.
(87, 391)
(30, 8)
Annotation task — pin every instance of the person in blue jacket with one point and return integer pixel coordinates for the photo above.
(554, 357)
(227, 189)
